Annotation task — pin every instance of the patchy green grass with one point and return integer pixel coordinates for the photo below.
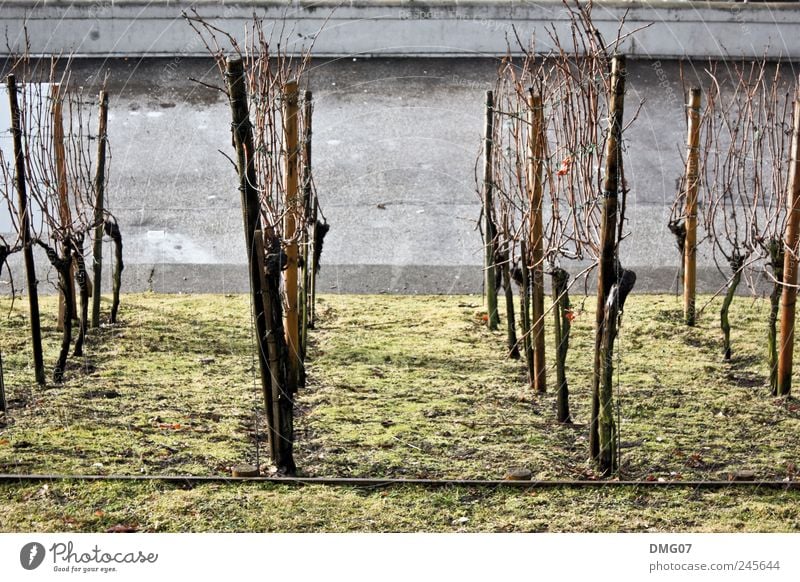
(75, 506)
(417, 387)
(398, 386)
(170, 390)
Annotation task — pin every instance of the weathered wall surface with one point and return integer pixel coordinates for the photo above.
(395, 147)
(396, 139)
(404, 28)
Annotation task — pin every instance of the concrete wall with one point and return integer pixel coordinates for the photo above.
(403, 28)
(396, 139)
(395, 147)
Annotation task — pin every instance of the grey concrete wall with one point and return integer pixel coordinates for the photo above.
(395, 147)
(402, 28)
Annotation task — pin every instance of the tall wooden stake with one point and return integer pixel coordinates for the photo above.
(282, 411)
(308, 226)
(525, 314)
(82, 278)
(248, 187)
(25, 232)
(789, 294)
(292, 207)
(692, 171)
(99, 191)
(63, 195)
(777, 258)
(607, 275)
(536, 236)
(112, 230)
(561, 329)
(3, 402)
(490, 270)
(314, 267)
(511, 320)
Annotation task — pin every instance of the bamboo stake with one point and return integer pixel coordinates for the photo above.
(242, 131)
(63, 195)
(490, 270)
(789, 295)
(291, 201)
(607, 274)
(99, 223)
(25, 232)
(692, 181)
(536, 236)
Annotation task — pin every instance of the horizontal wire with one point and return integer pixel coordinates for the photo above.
(383, 482)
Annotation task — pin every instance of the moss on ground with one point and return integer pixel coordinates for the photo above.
(398, 386)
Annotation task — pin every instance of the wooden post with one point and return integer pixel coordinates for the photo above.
(282, 407)
(561, 327)
(789, 294)
(606, 427)
(692, 181)
(490, 270)
(248, 188)
(82, 278)
(536, 236)
(3, 402)
(292, 207)
(25, 232)
(63, 194)
(65, 267)
(308, 226)
(511, 320)
(99, 222)
(525, 313)
(607, 274)
(777, 258)
(112, 230)
(313, 208)
(314, 267)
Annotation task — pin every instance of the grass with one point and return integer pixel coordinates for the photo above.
(398, 386)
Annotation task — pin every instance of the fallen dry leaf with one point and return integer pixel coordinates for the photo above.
(170, 426)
